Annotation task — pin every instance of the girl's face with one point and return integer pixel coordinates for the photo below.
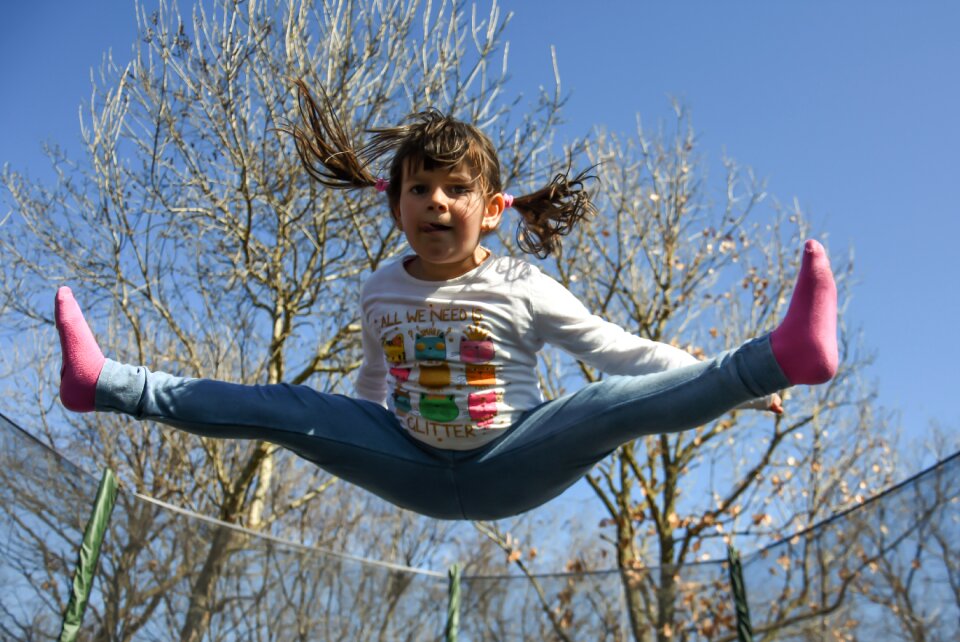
(443, 214)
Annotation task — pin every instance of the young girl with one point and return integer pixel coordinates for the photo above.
(448, 418)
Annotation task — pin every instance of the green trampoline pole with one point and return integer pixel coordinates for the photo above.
(87, 559)
(742, 608)
(453, 605)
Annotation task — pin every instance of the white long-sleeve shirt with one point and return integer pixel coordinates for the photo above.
(456, 361)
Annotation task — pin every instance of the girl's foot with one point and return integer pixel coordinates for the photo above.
(82, 359)
(805, 343)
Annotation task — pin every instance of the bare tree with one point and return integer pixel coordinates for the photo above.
(916, 581)
(675, 259)
(198, 245)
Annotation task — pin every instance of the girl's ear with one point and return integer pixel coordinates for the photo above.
(493, 213)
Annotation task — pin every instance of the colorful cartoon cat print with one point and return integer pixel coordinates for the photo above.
(438, 407)
(481, 375)
(476, 346)
(401, 401)
(434, 376)
(483, 406)
(431, 347)
(402, 375)
(393, 348)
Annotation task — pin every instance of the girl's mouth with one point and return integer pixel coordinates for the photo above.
(436, 227)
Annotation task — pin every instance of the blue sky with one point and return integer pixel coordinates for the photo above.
(850, 107)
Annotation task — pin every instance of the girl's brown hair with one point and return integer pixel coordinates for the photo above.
(434, 141)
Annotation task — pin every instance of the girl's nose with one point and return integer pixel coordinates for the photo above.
(438, 199)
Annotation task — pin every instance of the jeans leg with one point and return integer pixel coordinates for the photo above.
(356, 440)
(555, 444)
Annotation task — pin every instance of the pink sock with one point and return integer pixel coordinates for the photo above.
(805, 343)
(82, 359)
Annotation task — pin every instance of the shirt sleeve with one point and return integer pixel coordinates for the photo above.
(560, 319)
(371, 381)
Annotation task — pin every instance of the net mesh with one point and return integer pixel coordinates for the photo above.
(889, 569)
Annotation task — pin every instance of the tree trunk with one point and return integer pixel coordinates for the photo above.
(632, 588)
(201, 594)
(666, 599)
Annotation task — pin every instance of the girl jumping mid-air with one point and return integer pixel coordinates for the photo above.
(448, 418)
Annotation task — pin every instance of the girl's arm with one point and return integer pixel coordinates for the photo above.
(371, 382)
(560, 319)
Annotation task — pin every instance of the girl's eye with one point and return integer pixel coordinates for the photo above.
(460, 189)
(417, 189)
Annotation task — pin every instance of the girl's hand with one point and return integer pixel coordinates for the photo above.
(776, 404)
(771, 403)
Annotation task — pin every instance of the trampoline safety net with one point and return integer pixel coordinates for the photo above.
(887, 570)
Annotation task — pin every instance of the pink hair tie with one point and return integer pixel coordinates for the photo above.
(507, 200)
(382, 185)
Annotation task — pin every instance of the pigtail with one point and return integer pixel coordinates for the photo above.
(385, 141)
(323, 144)
(437, 141)
(552, 212)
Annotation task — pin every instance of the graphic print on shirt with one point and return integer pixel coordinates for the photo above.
(441, 408)
(442, 364)
(476, 346)
(477, 349)
(481, 375)
(394, 349)
(401, 401)
(483, 406)
(430, 345)
(434, 376)
(402, 375)
(430, 351)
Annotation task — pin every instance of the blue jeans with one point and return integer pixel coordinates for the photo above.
(536, 459)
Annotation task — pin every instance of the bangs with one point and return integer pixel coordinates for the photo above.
(433, 141)
(422, 159)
